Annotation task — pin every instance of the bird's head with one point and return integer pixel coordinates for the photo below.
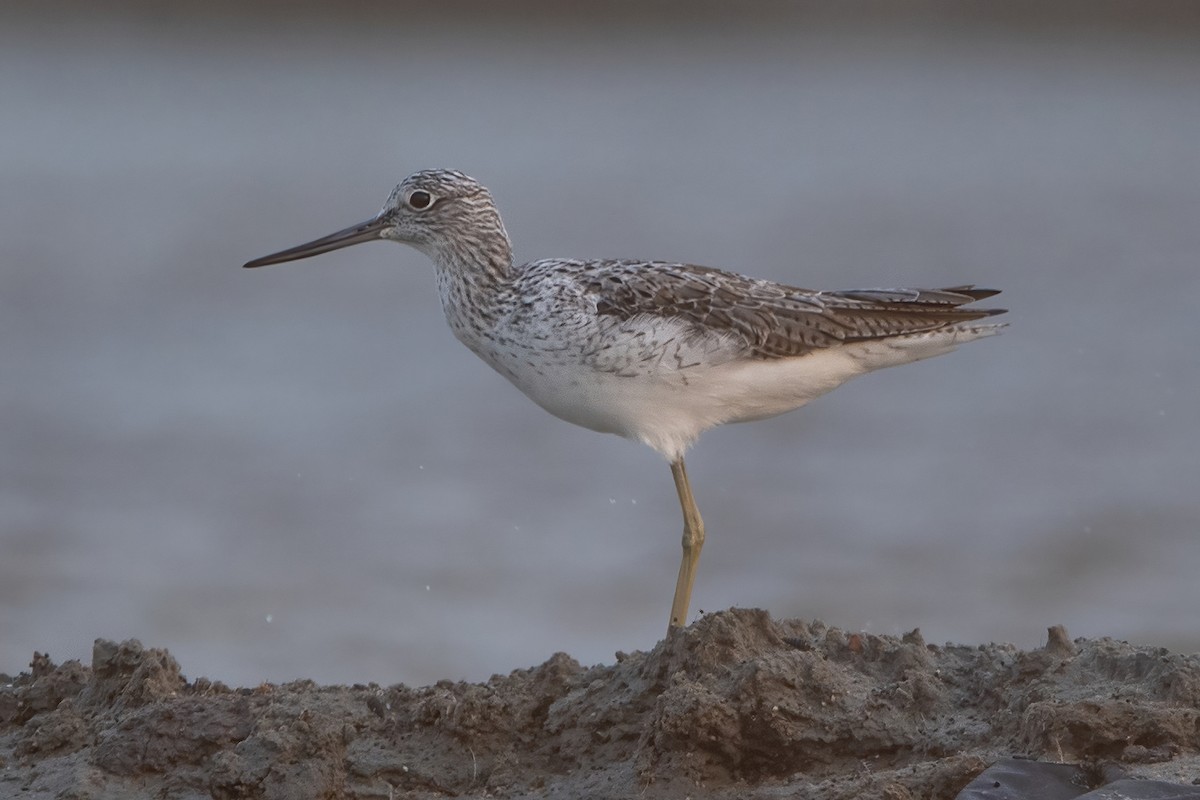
(443, 213)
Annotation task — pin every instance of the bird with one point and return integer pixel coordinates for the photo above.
(653, 351)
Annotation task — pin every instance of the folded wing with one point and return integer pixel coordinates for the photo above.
(774, 320)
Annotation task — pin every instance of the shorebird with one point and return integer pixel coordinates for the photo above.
(652, 351)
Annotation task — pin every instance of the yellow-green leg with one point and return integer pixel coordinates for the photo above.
(693, 542)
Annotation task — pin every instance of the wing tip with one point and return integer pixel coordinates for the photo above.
(972, 291)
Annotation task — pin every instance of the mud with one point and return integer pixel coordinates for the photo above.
(737, 706)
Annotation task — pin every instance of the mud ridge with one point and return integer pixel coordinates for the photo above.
(736, 706)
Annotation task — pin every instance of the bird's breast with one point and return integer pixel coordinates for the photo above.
(642, 379)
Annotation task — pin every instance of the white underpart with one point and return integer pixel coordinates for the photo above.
(654, 383)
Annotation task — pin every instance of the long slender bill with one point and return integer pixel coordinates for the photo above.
(363, 232)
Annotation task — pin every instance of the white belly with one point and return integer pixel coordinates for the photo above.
(664, 389)
(667, 408)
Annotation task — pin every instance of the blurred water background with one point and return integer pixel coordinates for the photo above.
(298, 472)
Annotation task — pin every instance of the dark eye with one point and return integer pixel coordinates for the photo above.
(420, 199)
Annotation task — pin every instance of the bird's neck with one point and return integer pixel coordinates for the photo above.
(484, 263)
(475, 283)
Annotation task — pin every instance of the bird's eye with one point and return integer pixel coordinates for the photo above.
(420, 200)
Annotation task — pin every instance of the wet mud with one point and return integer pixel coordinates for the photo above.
(736, 706)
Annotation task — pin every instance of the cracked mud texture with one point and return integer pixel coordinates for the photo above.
(736, 706)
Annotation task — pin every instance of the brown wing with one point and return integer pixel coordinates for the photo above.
(777, 321)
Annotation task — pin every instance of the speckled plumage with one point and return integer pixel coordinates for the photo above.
(656, 352)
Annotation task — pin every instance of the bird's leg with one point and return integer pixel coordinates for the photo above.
(693, 541)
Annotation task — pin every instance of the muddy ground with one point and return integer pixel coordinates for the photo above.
(737, 706)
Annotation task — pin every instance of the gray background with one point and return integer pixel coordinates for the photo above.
(297, 472)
